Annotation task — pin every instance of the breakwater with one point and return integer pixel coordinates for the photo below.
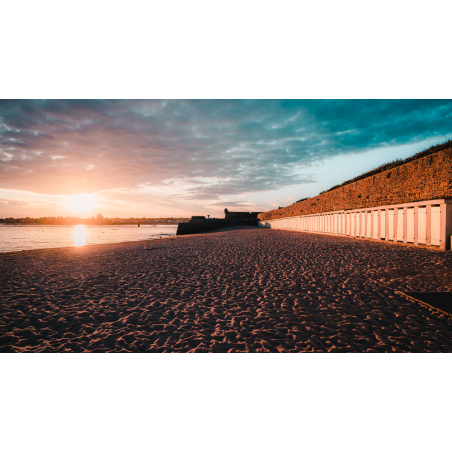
(205, 225)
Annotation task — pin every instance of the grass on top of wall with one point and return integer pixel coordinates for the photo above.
(390, 165)
(395, 164)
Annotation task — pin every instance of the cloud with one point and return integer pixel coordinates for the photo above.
(207, 148)
(231, 204)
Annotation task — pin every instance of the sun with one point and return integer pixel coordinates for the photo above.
(82, 203)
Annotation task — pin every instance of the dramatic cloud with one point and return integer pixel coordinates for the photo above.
(202, 149)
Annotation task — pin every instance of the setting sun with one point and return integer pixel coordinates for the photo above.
(81, 204)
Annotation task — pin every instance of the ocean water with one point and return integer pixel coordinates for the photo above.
(33, 237)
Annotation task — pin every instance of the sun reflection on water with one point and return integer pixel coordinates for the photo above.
(80, 234)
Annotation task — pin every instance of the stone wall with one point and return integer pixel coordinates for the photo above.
(423, 179)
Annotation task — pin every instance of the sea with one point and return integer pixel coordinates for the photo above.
(35, 237)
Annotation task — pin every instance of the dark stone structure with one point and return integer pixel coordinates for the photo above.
(240, 215)
(232, 219)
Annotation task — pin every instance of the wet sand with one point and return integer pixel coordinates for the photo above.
(255, 290)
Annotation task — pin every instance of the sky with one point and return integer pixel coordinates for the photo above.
(171, 158)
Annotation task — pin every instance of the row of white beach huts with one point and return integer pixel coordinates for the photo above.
(420, 223)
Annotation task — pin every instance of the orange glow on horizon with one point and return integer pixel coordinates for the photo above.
(81, 204)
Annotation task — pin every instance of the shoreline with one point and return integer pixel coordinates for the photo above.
(84, 246)
(130, 241)
(248, 289)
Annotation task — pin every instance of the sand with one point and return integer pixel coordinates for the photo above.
(254, 290)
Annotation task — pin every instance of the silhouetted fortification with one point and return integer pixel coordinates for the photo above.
(231, 219)
(240, 215)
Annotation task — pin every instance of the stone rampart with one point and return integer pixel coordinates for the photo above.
(423, 179)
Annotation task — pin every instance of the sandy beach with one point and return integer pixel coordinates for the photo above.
(254, 290)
